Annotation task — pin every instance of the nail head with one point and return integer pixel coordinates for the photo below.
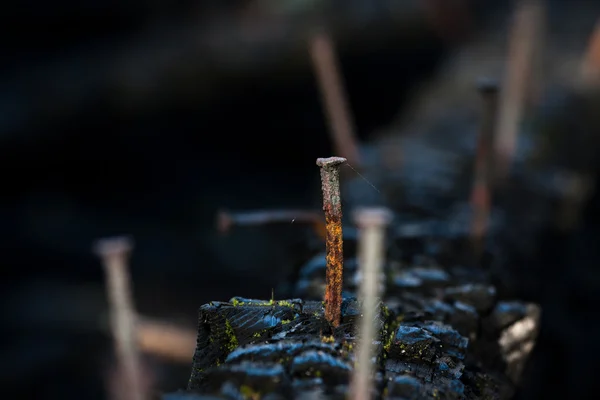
(113, 246)
(372, 216)
(330, 162)
(224, 222)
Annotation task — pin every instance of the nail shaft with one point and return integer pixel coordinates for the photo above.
(332, 206)
(372, 223)
(590, 68)
(225, 220)
(114, 254)
(518, 83)
(166, 340)
(481, 193)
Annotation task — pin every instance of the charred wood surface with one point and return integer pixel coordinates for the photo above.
(286, 349)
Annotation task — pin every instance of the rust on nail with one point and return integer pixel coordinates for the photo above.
(332, 206)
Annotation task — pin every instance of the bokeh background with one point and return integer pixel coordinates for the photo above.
(146, 118)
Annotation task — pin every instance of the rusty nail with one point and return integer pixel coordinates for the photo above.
(226, 220)
(480, 195)
(372, 223)
(166, 340)
(518, 85)
(114, 253)
(332, 206)
(590, 67)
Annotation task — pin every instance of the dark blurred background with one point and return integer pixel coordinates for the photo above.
(146, 118)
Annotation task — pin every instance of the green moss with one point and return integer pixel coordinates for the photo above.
(231, 341)
(414, 351)
(285, 321)
(390, 332)
(236, 303)
(249, 393)
(281, 303)
(386, 312)
(328, 339)
(284, 303)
